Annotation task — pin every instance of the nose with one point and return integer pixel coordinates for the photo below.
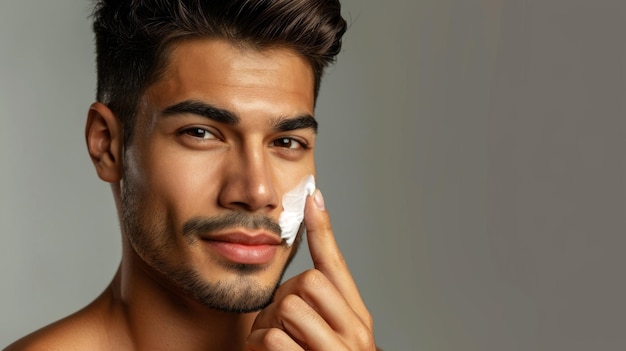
(249, 183)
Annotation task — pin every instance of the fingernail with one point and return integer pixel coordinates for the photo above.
(319, 200)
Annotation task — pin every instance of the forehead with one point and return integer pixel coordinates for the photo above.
(236, 77)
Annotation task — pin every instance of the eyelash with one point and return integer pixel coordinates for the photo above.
(301, 145)
(193, 131)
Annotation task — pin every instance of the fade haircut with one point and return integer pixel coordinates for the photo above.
(134, 38)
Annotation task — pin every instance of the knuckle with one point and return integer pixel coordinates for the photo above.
(290, 303)
(273, 339)
(327, 226)
(313, 279)
(334, 260)
(364, 339)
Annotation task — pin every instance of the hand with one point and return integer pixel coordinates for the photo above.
(320, 309)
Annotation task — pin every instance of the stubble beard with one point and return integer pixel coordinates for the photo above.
(150, 241)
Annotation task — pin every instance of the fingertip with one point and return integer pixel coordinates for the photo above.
(318, 199)
(315, 210)
(316, 219)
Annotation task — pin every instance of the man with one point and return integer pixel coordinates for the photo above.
(204, 127)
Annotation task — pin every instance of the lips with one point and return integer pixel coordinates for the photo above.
(244, 248)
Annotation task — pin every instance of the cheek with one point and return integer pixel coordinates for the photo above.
(289, 173)
(182, 186)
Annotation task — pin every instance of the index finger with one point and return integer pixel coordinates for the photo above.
(326, 255)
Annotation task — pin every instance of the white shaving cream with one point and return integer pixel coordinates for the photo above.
(293, 209)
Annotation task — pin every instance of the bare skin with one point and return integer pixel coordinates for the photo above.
(182, 165)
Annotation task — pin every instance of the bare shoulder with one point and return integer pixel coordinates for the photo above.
(87, 329)
(75, 332)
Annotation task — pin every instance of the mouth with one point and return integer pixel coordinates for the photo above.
(244, 248)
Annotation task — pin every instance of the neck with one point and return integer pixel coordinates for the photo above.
(146, 315)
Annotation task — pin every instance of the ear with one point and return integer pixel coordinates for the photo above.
(105, 143)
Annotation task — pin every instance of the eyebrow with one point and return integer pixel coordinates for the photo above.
(201, 109)
(294, 123)
(217, 114)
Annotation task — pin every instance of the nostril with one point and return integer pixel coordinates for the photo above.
(251, 206)
(242, 205)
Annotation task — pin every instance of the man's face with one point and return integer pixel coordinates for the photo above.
(218, 140)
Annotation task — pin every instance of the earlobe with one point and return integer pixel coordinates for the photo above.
(104, 137)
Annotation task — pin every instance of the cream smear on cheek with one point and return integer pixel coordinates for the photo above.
(293, 209)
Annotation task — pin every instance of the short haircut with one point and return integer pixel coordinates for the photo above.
(134, 37)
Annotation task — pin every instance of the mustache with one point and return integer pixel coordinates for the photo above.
(198, 225)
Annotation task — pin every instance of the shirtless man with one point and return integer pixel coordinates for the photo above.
(203, 122)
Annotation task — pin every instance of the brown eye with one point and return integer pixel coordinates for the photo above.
(288, 143)
(199, 133)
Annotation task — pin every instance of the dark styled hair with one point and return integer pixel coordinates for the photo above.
(133, 38)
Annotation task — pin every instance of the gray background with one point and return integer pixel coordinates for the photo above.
(471, 155)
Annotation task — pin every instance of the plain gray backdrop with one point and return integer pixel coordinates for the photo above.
(471, 153)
